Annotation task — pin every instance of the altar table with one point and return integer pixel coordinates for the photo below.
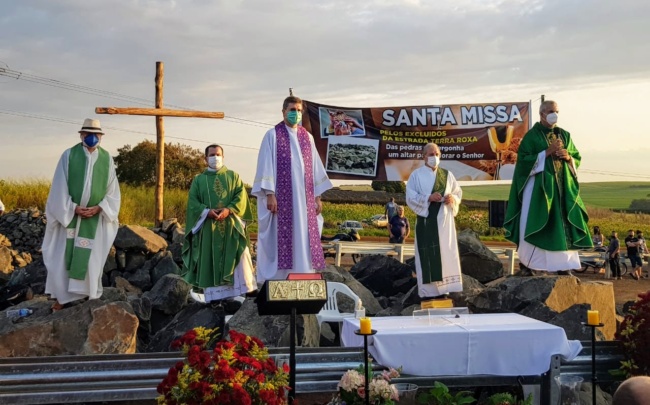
(473, 344)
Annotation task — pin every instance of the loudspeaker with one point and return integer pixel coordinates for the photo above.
(497, 213)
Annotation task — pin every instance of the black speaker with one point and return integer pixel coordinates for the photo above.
(497, 213)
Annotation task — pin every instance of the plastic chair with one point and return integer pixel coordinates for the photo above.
(330, 311)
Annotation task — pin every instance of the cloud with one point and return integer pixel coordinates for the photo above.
(241, 56)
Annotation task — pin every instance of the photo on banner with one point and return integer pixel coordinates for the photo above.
(341, 122)
(477, 141)
(351, 155)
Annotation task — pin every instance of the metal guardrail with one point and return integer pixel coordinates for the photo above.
(77, 379)
(129, 377)
(609, 355)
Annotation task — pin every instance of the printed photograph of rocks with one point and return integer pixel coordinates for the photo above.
(358, 157)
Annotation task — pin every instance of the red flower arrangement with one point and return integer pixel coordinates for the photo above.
(238, 371)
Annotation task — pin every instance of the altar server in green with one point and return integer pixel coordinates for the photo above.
(546, 217)
(216, 257)
(434, 195)
(81, 210)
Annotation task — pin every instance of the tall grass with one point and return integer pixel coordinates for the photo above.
(24, 193)
(138, 208)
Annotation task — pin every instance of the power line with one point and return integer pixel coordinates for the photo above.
(14, 74)
(67, 121)
(142, 101)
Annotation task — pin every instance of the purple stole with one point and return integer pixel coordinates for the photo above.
(284, 195)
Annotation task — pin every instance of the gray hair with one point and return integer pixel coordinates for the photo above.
(545, 105)
(428, 146)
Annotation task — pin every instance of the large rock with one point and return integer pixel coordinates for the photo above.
(111, 261)
(91, 327)
(178, 236)
(129, 289)
(112, 330)
(6, 262)
(139, 239)
(141, 278)
(340, 275)
(476, 259)
(169, 294)
(33, 275)
(471, 288)
(165, 265)
(273, 329)
(191, 317)
(177, 252)
(168, 225)
(383, 275)
(544, 297)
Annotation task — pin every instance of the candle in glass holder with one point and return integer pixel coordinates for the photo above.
(593, 318)
(365, 326)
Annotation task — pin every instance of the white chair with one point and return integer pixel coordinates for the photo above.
(330, 311)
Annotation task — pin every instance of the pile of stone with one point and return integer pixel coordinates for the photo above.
(351, 158)
(21, 237)
(149, 301)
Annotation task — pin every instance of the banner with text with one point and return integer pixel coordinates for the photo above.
(477, 141)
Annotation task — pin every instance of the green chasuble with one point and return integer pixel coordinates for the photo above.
(211, 255)
(557, 218)
(426, 232)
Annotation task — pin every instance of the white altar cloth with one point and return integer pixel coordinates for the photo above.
(494, 344)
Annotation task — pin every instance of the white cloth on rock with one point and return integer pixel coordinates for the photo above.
(265, 181)
(60, 212)
(418, 190)
(532, 256)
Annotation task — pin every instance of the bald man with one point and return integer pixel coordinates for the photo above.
(633, 391)
(546, 217)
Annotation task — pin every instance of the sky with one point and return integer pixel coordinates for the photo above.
(241, 57)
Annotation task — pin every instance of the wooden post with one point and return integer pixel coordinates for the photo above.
(159, 112)
(160, 145)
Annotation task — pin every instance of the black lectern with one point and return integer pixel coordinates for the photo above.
(299, 294)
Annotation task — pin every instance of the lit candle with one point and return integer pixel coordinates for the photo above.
(364, 326)
(593, 318)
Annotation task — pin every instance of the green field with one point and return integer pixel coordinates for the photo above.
(610, 195)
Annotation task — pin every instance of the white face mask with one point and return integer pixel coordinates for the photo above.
(433, 161)
(551, 118)
(215, 162)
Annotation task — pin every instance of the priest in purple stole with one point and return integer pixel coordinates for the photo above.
(288, 184)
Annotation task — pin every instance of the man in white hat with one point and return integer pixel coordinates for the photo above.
(82, 210)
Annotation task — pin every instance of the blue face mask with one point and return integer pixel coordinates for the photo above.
(294, 117)
(91, 140)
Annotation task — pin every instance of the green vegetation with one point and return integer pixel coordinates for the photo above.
(137, 166)
(389, 186)
(138, 208)
(610, 195)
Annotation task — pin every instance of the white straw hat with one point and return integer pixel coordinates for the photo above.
(92, 126)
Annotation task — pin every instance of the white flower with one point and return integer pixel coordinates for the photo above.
(351, 380)
(380, 388)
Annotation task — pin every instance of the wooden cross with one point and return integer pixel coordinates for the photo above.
(159, 112)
